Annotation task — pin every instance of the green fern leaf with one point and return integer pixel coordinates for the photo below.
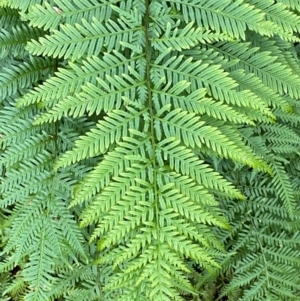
(86, 39)
(47, 16)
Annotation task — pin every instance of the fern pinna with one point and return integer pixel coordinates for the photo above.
(149, 150)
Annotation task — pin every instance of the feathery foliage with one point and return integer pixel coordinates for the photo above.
(149, 150)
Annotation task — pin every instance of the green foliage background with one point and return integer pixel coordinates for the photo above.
(149, 150)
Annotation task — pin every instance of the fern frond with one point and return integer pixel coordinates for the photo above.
(9, 18)
(87, 39)
(16, 289)
(22, 76)
(293, 4)
(98, 140)
(112, 163)
(274, 253)
(27, 170)
(167, 130)
(84, 275)
(283, 187)
(184, 38)
(217, 82)
(193, 132)
(113, 192)
(24, 5)
(47, 16)
(13, 40)
(263, 65)
(34, 225)
(39, 268)
(197, 102)
(278, 14)
(22, 152)
(183, 160)
(69, 81)
(237, 15)
(107, 95)
(267, 94)
(13, 132)
(291, 117)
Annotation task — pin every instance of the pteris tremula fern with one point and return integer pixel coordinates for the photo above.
(149, 150)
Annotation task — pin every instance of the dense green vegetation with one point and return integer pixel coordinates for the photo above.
(149, 150)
